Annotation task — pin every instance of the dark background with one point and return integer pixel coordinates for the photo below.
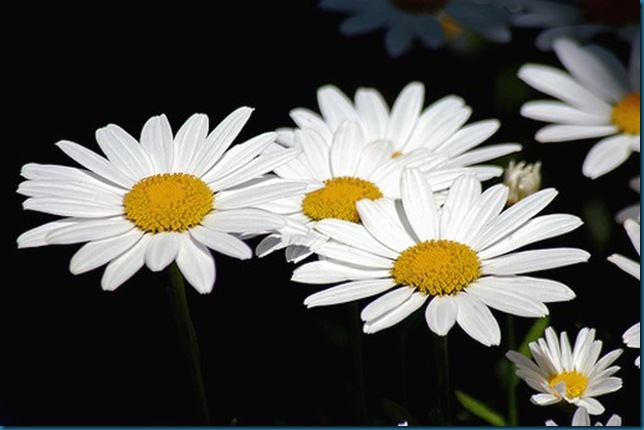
(73, 354)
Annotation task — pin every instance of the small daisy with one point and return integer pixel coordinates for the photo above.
(460, 258)
(159, 200)
(431, 22)
(522, 179)
(578, 19)
(407, 126)
(574, 375)
(598, 97)
(581, 418)
(632, 336)
(337, 176)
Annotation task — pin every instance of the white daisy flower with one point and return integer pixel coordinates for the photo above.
(337, 176)
(577, 19)
(431, 22)
(598, 98)
(159, 200)
(459, 258)
(632, 336)
(575, 375)
(630, 211)
(522, 179)
(581, 418)
(439, 128)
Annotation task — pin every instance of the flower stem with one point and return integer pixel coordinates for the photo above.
(187, 338)
(444, 386)
(513, 415)
(358, 364)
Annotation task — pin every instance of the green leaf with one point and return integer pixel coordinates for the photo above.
(480, 409)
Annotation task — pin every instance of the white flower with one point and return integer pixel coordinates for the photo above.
(575, 375)
(578, 19)
(459, 257)
(581, 418)
(632, 336)
(522, 179)
(431, 22)
(598, 98)
(164, 198)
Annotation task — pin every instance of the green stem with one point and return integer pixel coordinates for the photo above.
(444, 386)
(358, 363)
(187, 338)
(513, 413)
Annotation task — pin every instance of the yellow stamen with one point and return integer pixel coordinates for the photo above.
(451, 28)
(626, 114)
(576, 382)
(437, 267)
(420, 6)
(168, 202)
(338, 197)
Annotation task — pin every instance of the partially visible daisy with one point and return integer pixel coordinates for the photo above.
(337, 176)
(561, 373)
(522, 179)
(160, 199)
(631, 211)
(461, 258)
(598, 98)
(578, 19)
(581, 418)
(431, 22)
(407, 126)
(632, 336)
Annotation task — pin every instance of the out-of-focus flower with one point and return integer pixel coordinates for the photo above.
(161, 200)
(433, 23)
(575, 375)
(598, 98)
(577, 19)
(522, 179)
(632, 336)
(460, 258)
(581, 418)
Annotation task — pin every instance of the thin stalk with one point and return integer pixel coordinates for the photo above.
(444, 386)
(513, 413)
(188, 339)
(358, 363)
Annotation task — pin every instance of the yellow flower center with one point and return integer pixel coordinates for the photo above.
(626, 114)
(338, 197)
(437, 267)
(168, 202)
(420, 6)
(576, 382)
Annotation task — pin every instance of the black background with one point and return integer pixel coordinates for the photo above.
(73, 354)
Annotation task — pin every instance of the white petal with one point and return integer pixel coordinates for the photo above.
(348, 143)
(420, 208)
(475, 318)
(326, 272)
(564, 133)
(315, 154)
(543, 399)
(353, 256)
(606, 155)
(354, 235)
(307, 119)
(162, 249)
(633, 230)
(506, 298)
(561, 113)
(405, 111)
(468, 137)
(157, 141)
(335, 106)
(481, 155)
(190, 136)
(380, 219)
(629, 266)
(440, 314)
(386, 303)
(95, 163)
(197, 265)
(221, 242)
(95, 254)
(124, 266)
(124, 152)
(372, 111)
(247, 220)
(397, 311)
(87, 230)
(72, 207)
(456, 214)
(349, 292)
(257, 194)
(533, 261)
(38, 236)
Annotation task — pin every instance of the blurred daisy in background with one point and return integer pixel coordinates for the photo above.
(581, 418)
(159, 200)
(459, 258)
(632, 336)
(577, 19)
(432, 23)
(561, 373)
(597, 98)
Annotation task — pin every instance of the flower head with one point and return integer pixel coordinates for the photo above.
(459, 257)
(574, 375)
(581, 418)
(522, 179)
(431, 22)
(159, 200)
(598, 98)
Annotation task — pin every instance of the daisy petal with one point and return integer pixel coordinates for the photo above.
(440, 314)
(606, 155)
(221, 242)
(162, 249)
(348, 292)
(196, 264)
(125, 266)
(395, 315)
(475, 318)
(533, 261)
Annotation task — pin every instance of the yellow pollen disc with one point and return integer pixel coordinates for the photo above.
(338, 197)
(437, 267)
(450, 27)
(420, 6)
(576, 383)
(626, 114)
(168, 202)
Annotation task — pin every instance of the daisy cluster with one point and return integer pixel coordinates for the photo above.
(406, 206)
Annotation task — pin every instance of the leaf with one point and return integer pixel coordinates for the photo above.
(397, 413)
(480, 409)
